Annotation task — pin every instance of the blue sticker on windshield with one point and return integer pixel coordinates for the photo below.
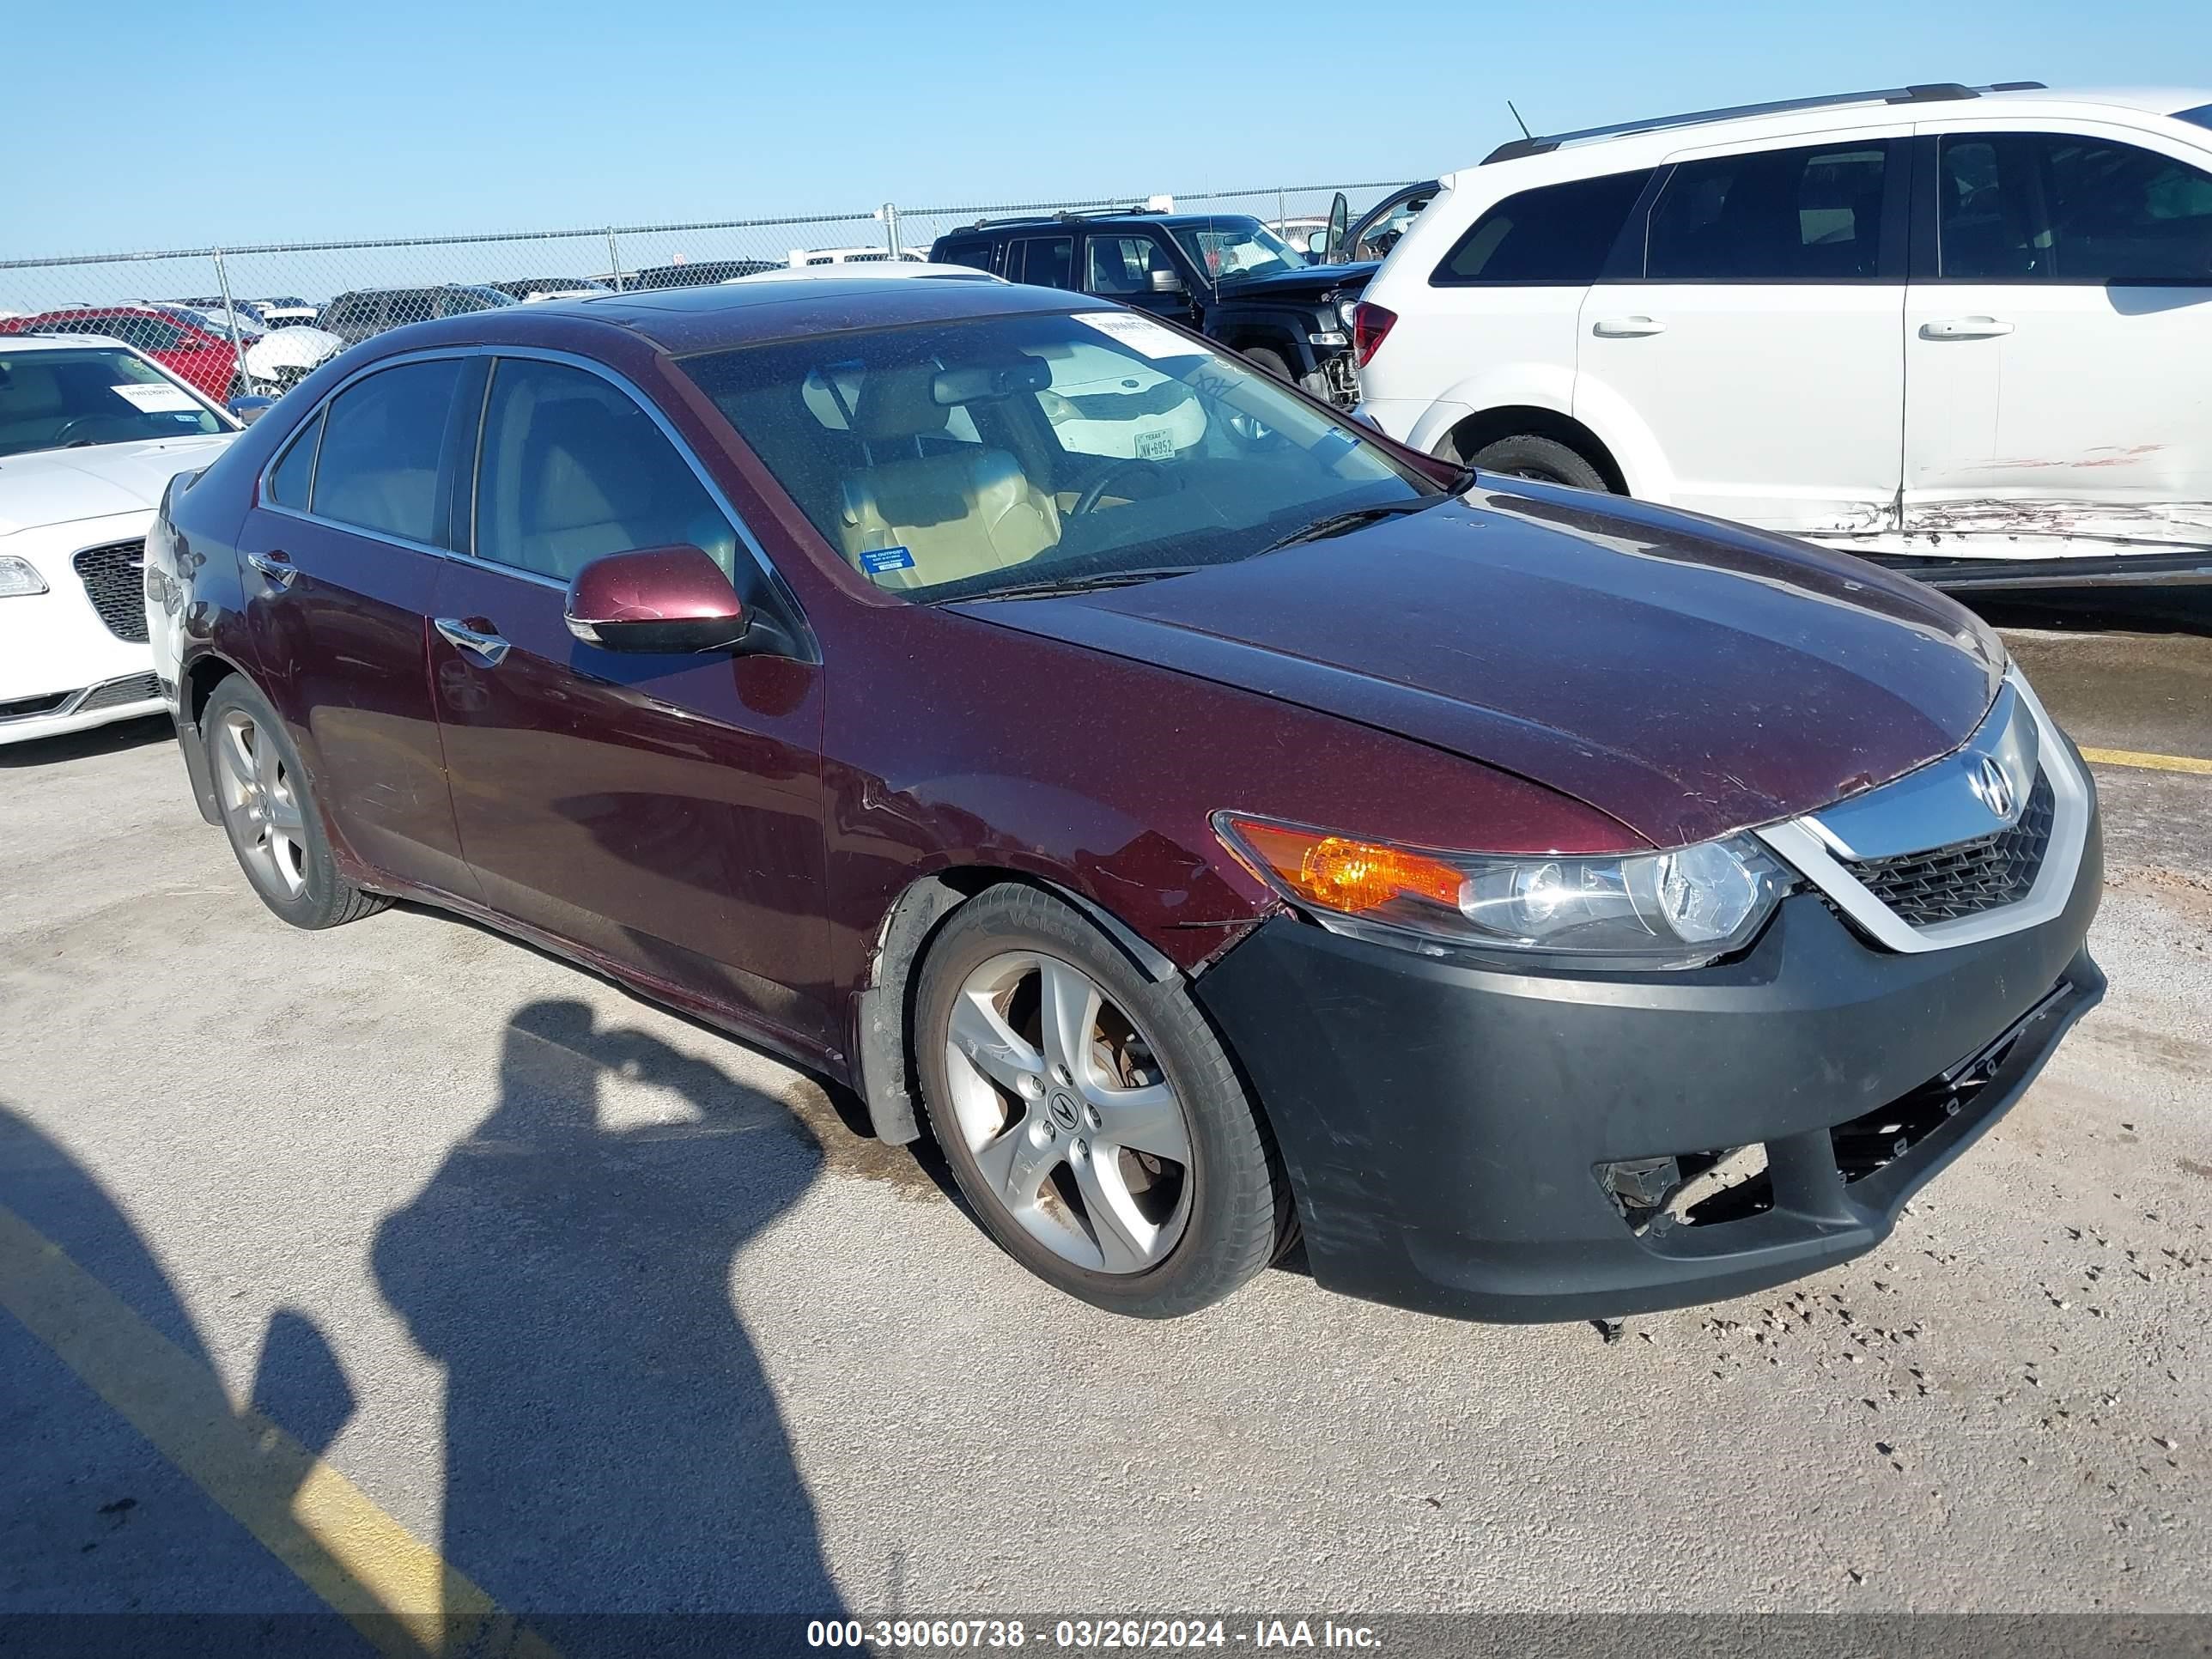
(1334, 447)
(886, 558)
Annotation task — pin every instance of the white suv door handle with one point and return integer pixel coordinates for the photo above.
(1965, 328)
(487, 646)
(1626, 328)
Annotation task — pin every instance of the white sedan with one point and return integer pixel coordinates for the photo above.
(91, 432)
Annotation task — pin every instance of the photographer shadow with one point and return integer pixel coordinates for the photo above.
(612, 1445)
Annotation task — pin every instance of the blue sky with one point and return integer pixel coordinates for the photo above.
(231, 122)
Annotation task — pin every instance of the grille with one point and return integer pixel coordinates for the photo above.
(1967, 877)
(114, 578)
(113, 694)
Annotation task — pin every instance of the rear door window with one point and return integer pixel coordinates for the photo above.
(1812, 215)
(289, 477)
(1041, 261)
(378, 467)
(1557, 234)
(572, 469)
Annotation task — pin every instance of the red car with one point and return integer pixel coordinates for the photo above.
(1215, 823)
(189, 349)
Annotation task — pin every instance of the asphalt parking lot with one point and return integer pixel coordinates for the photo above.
(585, 1309)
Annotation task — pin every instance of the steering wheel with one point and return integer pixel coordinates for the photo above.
(1090, 497)
(62, 437)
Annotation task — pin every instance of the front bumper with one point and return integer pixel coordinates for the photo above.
(61, 668)
(1444, 1123)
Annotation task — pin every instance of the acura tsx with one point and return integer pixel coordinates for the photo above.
(1217, 825)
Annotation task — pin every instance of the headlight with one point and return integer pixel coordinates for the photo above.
(19, 578)
(1674, 909)
(1344, 309)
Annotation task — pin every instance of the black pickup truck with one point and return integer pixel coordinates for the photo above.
(1225, 274)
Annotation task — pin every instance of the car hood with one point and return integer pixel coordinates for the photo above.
(54, 486)
(290, 348)
(1687, 677)
(1310, 280)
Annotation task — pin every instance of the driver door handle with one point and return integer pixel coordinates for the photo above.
(276, 564)
(1626, 328)
(481, 642)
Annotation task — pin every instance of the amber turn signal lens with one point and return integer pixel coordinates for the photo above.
(1347, 876)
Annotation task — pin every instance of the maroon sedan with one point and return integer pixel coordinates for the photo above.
(1215, 823)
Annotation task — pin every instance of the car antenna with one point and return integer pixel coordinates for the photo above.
(1517, 121)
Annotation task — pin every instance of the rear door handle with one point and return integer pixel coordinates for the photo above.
(275, 564)
(1965, 328)
(1626, 328)
(482, 642)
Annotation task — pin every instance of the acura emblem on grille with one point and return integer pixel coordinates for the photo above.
(1992, 788)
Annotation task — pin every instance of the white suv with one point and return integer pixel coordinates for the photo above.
(1938, 323)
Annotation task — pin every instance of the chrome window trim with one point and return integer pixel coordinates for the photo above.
(546, 353)
(266, 502)
(1807, 847)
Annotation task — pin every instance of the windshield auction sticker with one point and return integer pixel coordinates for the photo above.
(1140, 334)
(155, 398)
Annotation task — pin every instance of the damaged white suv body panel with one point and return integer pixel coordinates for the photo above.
(1936, 323)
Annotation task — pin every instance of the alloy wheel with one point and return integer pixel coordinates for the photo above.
(261, 804)
(1073, 1122)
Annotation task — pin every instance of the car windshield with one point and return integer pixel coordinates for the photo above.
(1233, 250)
(958, 460)
(72, 397)
(2202, 115)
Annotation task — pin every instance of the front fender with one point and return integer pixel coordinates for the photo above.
(1278, 328)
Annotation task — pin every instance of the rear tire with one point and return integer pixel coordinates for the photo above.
(1127, 1165)
(1544, 460)
(269, 811)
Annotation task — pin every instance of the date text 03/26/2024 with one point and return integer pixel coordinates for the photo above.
(1087, 1635)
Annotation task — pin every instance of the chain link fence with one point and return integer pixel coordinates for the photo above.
(256, 320)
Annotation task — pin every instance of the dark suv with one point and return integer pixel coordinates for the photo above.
(1225, 274)
(353, 317)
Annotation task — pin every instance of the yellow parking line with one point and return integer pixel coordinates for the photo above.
(2156, 763)
(390, 1585)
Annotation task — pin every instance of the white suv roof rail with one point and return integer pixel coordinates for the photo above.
(1940, 92)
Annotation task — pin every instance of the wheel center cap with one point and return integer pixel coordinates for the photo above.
(1064, 1111)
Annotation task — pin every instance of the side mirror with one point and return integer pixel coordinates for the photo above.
(656, 598)
(251, 408)
(1168, 281)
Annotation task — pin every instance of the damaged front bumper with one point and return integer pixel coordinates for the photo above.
(1471, 1141)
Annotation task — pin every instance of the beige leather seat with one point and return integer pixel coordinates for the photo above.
(960, 512)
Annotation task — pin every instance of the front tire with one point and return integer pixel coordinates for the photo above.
(1274, 362)
(1546, 460)
(269, 811)
(1091, 1118)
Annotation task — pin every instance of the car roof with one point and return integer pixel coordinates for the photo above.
(1667, 133)
(875, 270)
(716, 316)
(1095, 221)
(59, 340)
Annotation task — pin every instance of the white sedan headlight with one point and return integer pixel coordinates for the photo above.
(19, 578)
